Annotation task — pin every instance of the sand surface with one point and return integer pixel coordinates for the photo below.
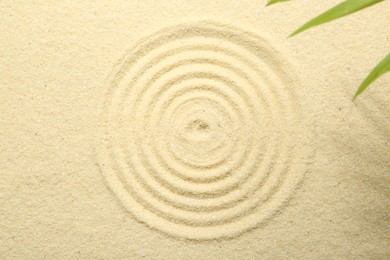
(192, 130)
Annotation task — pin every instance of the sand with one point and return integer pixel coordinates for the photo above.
(191, 130)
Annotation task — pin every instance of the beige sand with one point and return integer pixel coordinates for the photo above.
(191, 130)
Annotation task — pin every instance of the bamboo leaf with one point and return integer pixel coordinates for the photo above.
(380, 69)
(270, 2)
(345, 8)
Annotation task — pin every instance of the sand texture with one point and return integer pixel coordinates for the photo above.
(192, 130)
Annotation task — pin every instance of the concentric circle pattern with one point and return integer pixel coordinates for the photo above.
(202, 137)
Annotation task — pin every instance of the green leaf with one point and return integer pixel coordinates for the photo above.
(270, 2)
(345, 8)
(380, 69)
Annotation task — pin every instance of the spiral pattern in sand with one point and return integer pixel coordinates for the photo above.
(202, 137)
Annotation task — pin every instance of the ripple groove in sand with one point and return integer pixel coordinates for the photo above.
(202, 137)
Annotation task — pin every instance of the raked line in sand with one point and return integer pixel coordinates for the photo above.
(202, 136)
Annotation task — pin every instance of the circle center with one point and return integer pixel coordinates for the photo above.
(198, 126)
(198, 129)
